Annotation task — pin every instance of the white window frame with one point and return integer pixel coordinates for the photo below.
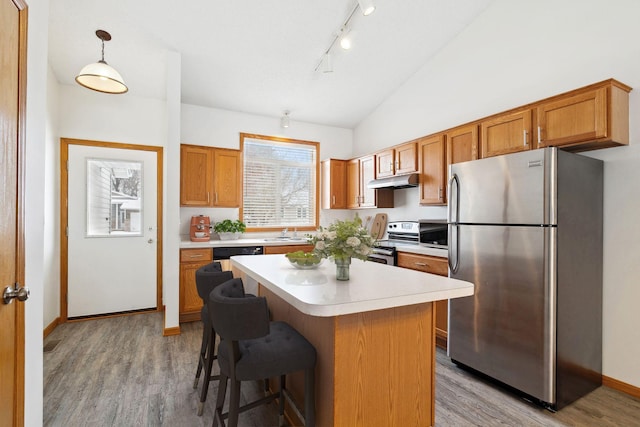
(245, 214)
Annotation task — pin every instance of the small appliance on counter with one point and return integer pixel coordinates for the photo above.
(199, 230)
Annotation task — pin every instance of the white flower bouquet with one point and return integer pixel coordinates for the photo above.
(343, 240)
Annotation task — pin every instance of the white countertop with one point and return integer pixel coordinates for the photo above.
(185, 243)
(372, 286)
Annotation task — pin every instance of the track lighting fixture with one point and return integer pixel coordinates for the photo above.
(100, 76)
(367, 8)
(345, 39)
(284, 120)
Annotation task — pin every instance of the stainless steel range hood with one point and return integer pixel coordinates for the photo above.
(400, 181)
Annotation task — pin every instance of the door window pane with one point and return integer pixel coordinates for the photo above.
(114, 198)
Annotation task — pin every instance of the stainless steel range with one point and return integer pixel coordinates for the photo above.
(431, 233)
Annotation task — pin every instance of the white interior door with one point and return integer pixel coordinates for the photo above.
(112, 241)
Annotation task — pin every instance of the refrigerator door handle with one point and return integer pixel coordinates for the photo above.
(454, 246)
(454, 199)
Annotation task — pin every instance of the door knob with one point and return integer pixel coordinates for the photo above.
(150, 241)
(10, 293)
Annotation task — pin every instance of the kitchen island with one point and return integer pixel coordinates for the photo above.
(374, 335)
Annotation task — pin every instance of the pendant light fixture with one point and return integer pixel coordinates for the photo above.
(100, 76)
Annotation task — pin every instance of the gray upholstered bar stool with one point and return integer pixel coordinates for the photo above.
(253, 348)
(207, 278)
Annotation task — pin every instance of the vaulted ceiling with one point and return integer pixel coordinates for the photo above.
(259, 56)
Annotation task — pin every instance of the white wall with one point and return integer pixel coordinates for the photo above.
(36, 123)
(517, 52)
(51, 235)
(222, 128)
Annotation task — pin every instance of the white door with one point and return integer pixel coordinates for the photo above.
(112, 240)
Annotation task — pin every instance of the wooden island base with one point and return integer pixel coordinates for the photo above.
(375, 368)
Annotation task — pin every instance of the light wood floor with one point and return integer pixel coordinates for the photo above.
(123, 372)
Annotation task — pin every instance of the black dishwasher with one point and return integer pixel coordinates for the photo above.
(226, 252)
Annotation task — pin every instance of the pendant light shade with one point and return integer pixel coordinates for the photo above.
(100, 76)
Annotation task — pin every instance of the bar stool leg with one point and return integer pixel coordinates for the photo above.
(203, 354)
(207, 370)
(283, 381)
(222, 393)
(234, 404)
(309, 398)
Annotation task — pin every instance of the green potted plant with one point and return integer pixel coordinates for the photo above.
(229, 229)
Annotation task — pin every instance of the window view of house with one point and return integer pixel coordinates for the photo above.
(114, 197)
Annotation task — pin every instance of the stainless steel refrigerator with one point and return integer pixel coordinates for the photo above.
(526, 229)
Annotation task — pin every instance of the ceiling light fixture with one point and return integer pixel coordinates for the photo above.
(324, 64)
(284, 121)
(100, 76)
(345, 39)
(327, 65)
(367, 7)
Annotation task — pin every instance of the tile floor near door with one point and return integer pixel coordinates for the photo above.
(122, 372)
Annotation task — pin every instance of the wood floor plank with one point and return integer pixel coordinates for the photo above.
(121, 371)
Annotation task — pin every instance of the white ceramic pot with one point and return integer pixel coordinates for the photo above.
(229, 236)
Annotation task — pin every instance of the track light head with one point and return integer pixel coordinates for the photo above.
(367, 7)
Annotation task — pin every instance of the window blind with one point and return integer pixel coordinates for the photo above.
(280, 182)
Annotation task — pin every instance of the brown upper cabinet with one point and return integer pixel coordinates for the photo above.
(359, 172)
(432, 170)
(227, 178)
(334, 182)
(593, 117)
(462, 144)
(506, 134)
(399, 160)
(210, 177)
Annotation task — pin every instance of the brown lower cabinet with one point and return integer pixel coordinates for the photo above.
(285, 249)
(434, 265)
(190, 302)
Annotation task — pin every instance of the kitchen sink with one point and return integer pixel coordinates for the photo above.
(285, 239)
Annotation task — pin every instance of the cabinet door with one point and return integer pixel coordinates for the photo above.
(406, 158)
(462, 144)
(367, 173)
(433, 265)
(506, 134)
(190, 302)
(285, 249)
(432, 170)
(574, 119)
(353, 183)
(227, 178)
(334, 182)
(385, 163)
(196, 178)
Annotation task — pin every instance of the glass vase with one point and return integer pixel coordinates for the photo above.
(342, 268)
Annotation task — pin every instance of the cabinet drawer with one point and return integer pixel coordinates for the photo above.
(428, 264)
(285, 249)
(196, 255)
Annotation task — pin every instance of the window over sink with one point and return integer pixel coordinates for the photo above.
(280, 183)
